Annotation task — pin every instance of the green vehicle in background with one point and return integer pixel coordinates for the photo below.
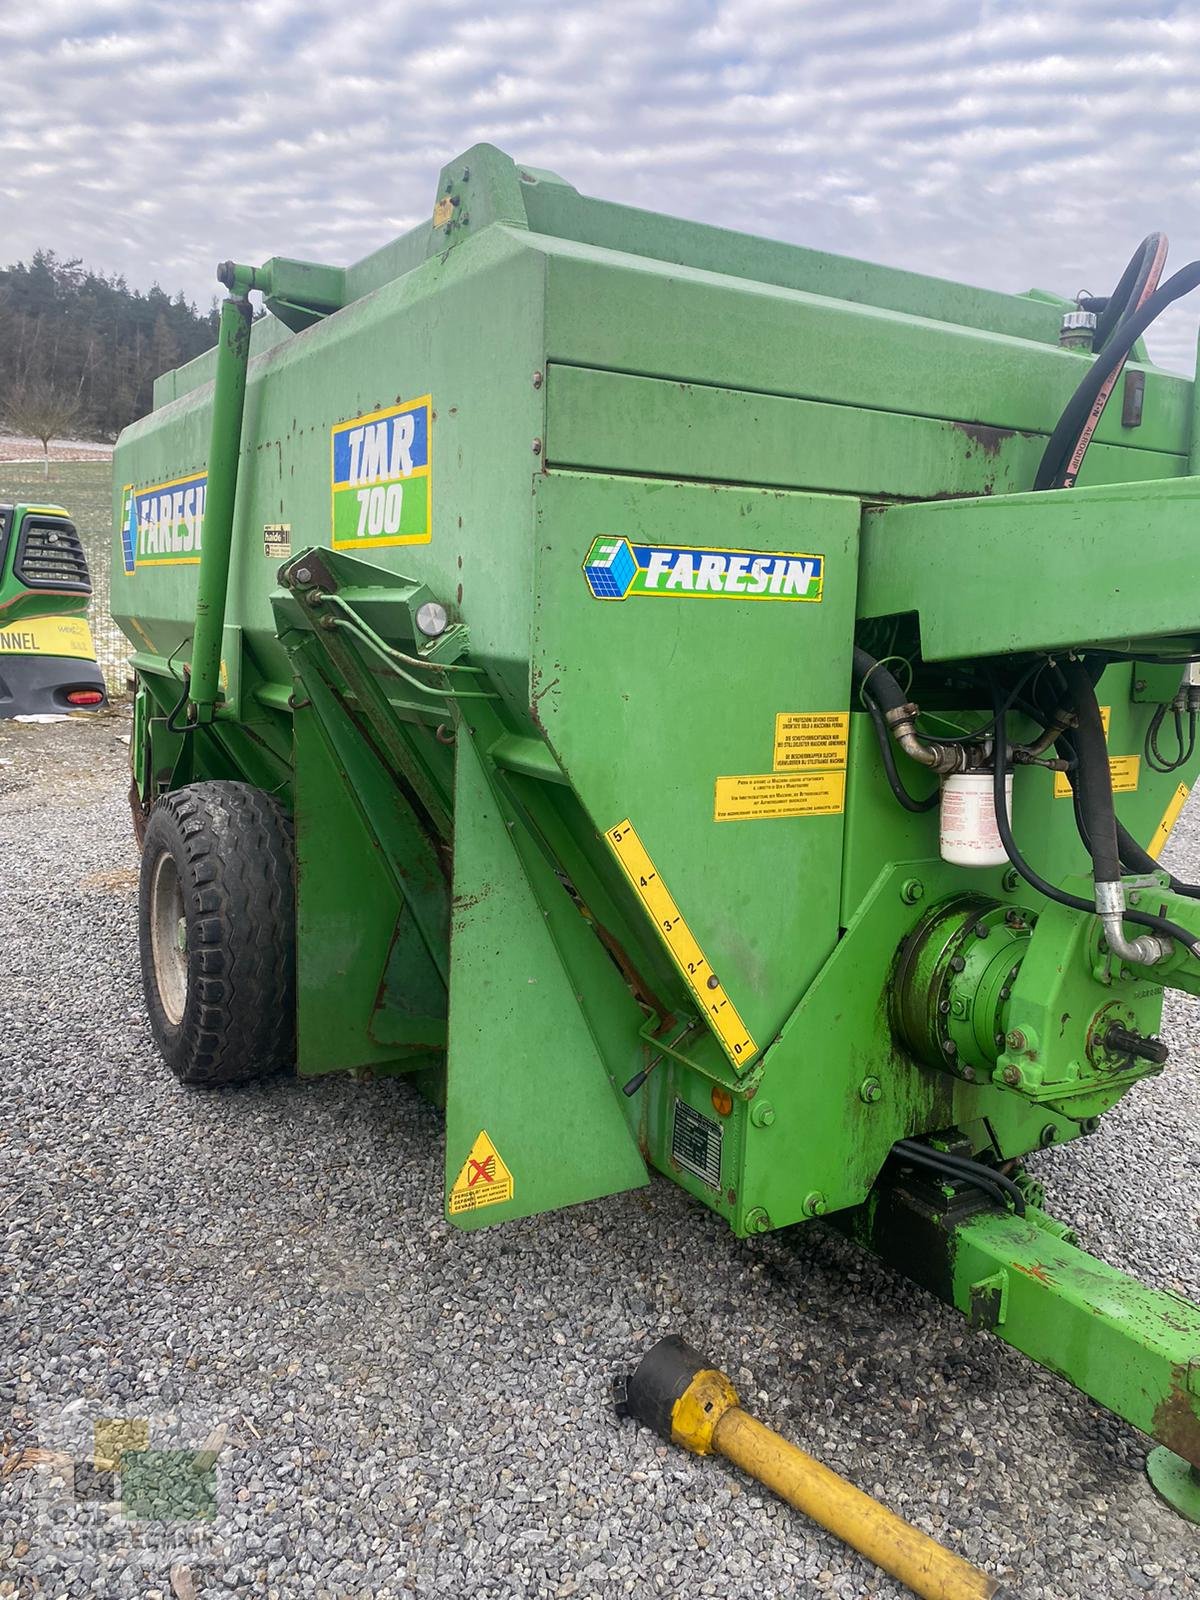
(47, 659)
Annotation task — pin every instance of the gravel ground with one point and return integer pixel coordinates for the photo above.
(412, 1411)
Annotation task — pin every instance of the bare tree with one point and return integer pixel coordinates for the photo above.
(42, 409)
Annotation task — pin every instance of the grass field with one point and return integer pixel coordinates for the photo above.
(84, 488)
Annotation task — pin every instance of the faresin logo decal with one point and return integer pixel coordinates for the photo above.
(618, 569)
(379, 468)
(162, 526)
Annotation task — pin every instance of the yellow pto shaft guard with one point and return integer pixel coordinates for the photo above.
(675, 1392)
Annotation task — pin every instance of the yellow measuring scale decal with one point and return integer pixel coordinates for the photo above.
(679, 940)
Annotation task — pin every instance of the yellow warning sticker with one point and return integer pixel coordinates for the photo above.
(677, 936)
(483, 1181)
(48, 636)
(1125, 772)
(811, 739)
(1169, 818)
(755, 795)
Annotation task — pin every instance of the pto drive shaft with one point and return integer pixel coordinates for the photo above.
(675, 1392)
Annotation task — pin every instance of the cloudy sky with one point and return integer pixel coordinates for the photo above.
(1007, 144)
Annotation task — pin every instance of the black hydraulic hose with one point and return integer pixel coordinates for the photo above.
(171, 725)
(874, 679)
(1095, 780)
(881, 692)
(976, 1173)
(1133, 857)
(888, 756)
(1066, 446)
(1145, 263)
(969, 1168)
(1004, 827)
(1145, 919)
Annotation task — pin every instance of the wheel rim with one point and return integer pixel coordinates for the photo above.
(168, 938)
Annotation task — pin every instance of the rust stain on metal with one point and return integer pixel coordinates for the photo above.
(1037, 1272)
(464, 902)
(988, 439)
(1176, 1422)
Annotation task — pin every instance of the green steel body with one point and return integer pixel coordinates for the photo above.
(467, 909)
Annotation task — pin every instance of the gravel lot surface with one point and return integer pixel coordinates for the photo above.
(412, 1411)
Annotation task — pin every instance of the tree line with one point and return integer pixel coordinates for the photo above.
(79, 350)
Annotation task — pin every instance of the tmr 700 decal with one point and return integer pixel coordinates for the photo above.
(380, 477)
(617, 568)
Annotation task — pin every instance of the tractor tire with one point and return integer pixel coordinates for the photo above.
(217, 929)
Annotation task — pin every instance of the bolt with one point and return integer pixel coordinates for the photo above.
(538, 380)
(1012, 974)
(1139, 684)
(999, 1041)
(757, 1220)
(815, 1204)
(957, 963)
(981, 930)
(911, 890)
(1014, 918)
(762, 1115)
(713, 981)
(1048, 1135)
(466, 177)
(1012, 1076)
(432, 619)
(303, 575)
(1010, 880)
(870, 1090)
(537, 447)
(944, 1007)
(1005, 992)
(1015, 1039)
(968, 1074)
(1089, 1124)
(1135, 897)
(949, 1047)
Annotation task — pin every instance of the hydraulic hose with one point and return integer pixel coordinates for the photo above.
(1095, 782)
(1139, 279)
(1062, 897)
(888, 757)
(874, 679)
(1133, 857)
(998, 1184)
(1099, 820)
(886, 701)
(1066, 446)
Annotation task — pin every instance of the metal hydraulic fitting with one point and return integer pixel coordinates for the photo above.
(1147, 949)
(1077, 330)
(941, 758)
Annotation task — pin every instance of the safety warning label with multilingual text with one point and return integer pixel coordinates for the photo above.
(483, 1181)
(779, 794)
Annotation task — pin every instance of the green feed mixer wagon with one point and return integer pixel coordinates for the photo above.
(828, 884)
